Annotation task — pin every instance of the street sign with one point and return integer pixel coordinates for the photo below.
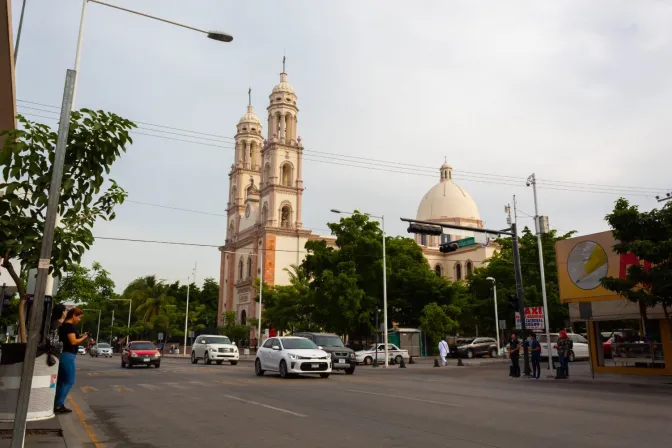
(160, 336)
(534, 318)
(502, 324)
(191, 334)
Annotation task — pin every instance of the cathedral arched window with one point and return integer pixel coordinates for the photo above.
(249, 267)
(234, 195)
(243, 317)
(264, 215)
(240, 269)
(286, 217)
(458, 271)
(286, 174)
(267, 174)
(437, 270)
(470, 267)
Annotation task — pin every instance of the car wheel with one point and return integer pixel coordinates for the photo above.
(257, 368)
(572, 357)
(123, 364)
(470, 354)
(368, 360)
(129, 365)
(324, 375)
(219, 363)
(398, 359)
(206, 358)
(283, 369)
(157, 365)
(194, 360)
(350, 371)
(233, 363)
(493, 353)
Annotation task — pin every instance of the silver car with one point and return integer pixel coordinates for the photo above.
(101, 349)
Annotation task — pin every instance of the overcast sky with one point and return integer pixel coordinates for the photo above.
(577, 92)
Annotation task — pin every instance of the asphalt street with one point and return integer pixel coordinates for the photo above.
(185, 405)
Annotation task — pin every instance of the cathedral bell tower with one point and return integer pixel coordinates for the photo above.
(246, 169)
(282, 157)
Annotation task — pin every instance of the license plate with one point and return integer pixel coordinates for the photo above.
(145, 360)
(341, 361)
(315, 366)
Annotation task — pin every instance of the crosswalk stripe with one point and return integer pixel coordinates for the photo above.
(197, 383)
(119, 388)
(176, 385)
(87, 389)
(230, 382)
(149, 386)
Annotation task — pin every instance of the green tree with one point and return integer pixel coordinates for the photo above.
(647, 235)
(232, 329)
(436, 323)
(289, 307)
(95, 141)
(150, 296)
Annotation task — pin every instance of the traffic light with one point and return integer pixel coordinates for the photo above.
(448, 247)
(424, 229)
(513, 302)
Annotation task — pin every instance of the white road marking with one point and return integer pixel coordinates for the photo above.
(265, 406)
(177, 385)
(402, 398)
(149, 386)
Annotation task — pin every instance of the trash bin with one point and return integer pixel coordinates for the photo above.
(43, 389)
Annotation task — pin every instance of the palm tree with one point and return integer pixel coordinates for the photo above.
(151, 297)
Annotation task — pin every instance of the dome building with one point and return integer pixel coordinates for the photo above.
(448, 203)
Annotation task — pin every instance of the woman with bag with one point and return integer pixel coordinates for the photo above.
(67, 334)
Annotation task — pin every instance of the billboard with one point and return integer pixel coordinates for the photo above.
(534, 318)
(583, 261)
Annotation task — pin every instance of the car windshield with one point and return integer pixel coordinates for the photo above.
(103, 345)
(298, 344)
(142, 346)
(217, 340)
(328, 341)
(465, 341)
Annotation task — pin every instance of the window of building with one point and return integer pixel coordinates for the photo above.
(286, 175)
(249, 267)
(470, 267)
(243, 317)
(240, 269)
(423, 240)
(458, 271)
(286, 217)
(264, 215)
(437, 270)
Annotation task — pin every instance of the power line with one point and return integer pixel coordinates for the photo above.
(175, 208)
(468, 175)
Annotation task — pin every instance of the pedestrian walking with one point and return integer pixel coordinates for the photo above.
(535, 350)
(443, 351)
(67, 334)
(514, 356)
(564, 347)
(163, 345)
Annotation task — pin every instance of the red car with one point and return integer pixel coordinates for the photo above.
(140, 353)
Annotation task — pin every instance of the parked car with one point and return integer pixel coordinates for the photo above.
(579, 346)
(140, 353)
(214, 348)
(342, 357)
(101, 349)
(81, 350)
(473, 347)
(367, 356)
(291, 355)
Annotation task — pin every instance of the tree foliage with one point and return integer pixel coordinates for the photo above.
(647, 235)
(232, 329)
(95, 141)
(436, 323)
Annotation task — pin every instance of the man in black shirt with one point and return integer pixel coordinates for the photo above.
(66, 368)
(514, 355)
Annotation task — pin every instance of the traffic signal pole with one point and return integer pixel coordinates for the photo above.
(519, 295)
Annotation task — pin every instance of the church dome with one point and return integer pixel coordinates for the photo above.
(249, 117)
(284, 86)
(447, 200)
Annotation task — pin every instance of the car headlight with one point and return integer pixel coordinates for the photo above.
(352, 356)
(293, 356)
(157, 354)
(212, 349)
(134, 355)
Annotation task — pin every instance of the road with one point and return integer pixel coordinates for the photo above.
(185, 405)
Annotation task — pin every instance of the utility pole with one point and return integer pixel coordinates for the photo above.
(519, 295)
(21, 414)
(112, 327)
(532, 180)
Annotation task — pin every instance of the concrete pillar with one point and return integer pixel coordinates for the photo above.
(283, 128)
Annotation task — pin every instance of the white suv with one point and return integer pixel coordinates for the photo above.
(210, 347)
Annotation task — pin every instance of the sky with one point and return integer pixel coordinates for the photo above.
(576, 92)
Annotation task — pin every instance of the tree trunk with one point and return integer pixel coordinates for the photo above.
(22, 297)
(642, 312)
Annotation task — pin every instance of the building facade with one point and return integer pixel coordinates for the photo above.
(448, 203)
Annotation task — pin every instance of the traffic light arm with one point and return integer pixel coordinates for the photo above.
(454, 226)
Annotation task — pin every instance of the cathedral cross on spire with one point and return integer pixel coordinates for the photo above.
(249, 96)
(283, 63)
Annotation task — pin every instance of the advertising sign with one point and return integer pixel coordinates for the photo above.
(534, 318)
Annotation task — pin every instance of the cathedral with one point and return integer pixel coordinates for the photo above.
(264, 231)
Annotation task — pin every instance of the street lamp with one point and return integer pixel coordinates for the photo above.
(186, 315)
(382, 219)
(98, 330)
(130, 303)
(494, 291)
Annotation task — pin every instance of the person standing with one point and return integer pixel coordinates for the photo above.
(535, 350)
(514, 356)
(443, 351)
(67, 334)
(563, 353)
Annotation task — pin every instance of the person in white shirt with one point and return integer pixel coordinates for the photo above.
(443, 351)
